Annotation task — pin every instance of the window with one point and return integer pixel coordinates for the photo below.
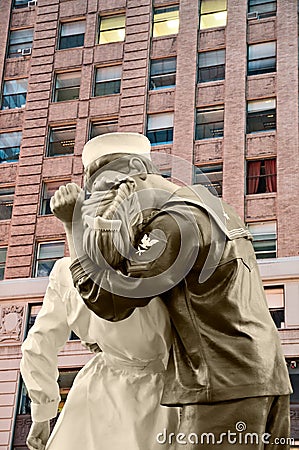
(20, 43)
(47, 254)
(293, 367)
(264, 239)
(107, 80)
(162, 73)
(10, 146)
(210, 177)
(48, 191)
(160, 128)
(6, 202)
(261, 115)
(264, 8)
(20, 3)
(71, 35)
(103, 127)
(112, 29)
(212, 14)
(209, 122)
(67, 86)
(61, 141)
(14, 94)
(211, 66)
(275, 299)
(261, 176)
(3, 251)
(166, 21)
(166, 173)
(261, 58)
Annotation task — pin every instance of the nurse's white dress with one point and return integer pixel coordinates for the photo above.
(114, 403)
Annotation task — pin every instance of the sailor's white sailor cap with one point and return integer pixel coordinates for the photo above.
(111, 143)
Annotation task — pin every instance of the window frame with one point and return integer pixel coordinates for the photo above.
(52, 129)
(113, 122)
(265, 69)
(253, 118)
(69, 36)
(164, 10)
(3, 251)
(25, 47)
(269, 237)
(115, 83)
(7, 203)
(163, 75)
(167, 131)
(6, 150)
(100, 31)
(210, 170)
(262, 14)
(277, 312)
(20, 98)
(210, 13)
(213, 133)
(220, 68)
(57, 91)
(261, 178)
(38, 259)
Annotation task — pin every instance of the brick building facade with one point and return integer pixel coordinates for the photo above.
(214, 84)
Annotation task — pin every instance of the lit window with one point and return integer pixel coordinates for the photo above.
(48, 191)
(160, 128)
(213, 14)
(210, 177)
(166, 21)
(261, 115)
(163, 72)
(261, 58)
(103, 127)
(61, 141)
(6, 202)
(72, 34)
(263, 8)
(14, 93)
(47, 254)
(211, 66)
(112, 29)
(20, 3)
(10, 146)
(107, 80)
(67, 86)
(261, 176)
(209, 122)
(20, 43)
(264, 239)
(3, 251)
(275, 300)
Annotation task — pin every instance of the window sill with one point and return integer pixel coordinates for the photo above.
(206, 140)
(262, 195)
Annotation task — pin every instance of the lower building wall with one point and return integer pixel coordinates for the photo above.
(14, 317)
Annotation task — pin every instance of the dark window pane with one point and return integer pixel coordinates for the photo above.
(160, 136)
(210, 177)
(13, 101)
(6, 203)
(107, 88)
(277, 316)
(261, 121)
(265, 8)
(103, 127)
(209, 123)
(71, 41)
(61, 141)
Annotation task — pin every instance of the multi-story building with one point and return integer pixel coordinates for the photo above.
(213, 84)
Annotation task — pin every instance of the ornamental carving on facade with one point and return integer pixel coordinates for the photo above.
(11, 322)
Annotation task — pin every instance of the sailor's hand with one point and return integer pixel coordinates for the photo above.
(38, 435)
(63, 202)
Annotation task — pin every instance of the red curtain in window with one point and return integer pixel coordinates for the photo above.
(270, 172)
(253, 176)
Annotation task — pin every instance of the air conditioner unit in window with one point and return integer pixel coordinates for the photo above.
(32, 3)
(26, 51)
(253, 15)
